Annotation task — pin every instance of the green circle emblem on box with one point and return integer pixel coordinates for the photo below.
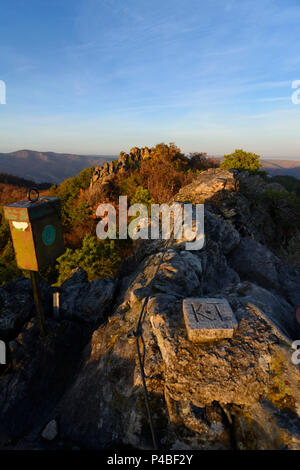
(48, 235)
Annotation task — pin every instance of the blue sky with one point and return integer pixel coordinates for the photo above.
(101, 76)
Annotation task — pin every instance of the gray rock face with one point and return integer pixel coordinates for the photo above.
(238, 197)
(173, 272)
(289, 279)
(208, 184)
(217, 273)
(102, 176)
(276, 311)
(89, 301)
(256, 263)
(17, 305)
(50, 432)
(222, 232)
(250, 184)
(197, 387)
(40, 372)
(239, 392)
(193, 386)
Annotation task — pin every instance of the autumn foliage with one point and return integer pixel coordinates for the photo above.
(156, 180)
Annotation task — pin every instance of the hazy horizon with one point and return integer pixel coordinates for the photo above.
(116, 154)
(84, 75)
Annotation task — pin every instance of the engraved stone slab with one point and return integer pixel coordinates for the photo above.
(208, 319)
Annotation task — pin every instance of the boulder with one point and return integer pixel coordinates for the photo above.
(89, 301)
(50, 432)
(221, 232)
(254, 262)
(208, 184)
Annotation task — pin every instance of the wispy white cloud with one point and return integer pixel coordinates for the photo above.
(273, 99)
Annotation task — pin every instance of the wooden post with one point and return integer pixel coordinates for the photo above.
(38, 301)
(56, 305)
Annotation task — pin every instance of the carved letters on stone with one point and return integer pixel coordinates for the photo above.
(208, 319)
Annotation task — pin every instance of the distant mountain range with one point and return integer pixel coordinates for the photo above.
(54, 167)
(276, 167)
(47, 167)
(282, 167)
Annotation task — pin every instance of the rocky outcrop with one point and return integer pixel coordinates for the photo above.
(238, 197)
(17, 306)
(235, 393)
(208, 396)
(103, 176)
(208, 184)
(88, 301)
(40, 370)
(255, 262)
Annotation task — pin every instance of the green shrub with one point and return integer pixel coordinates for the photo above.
(142, 196)
(69, 191)
(99, 258)
(241, 160)
(4, 230)
(80, 214)
(8, 266)
(129, 186)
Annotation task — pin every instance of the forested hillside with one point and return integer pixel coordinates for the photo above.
(47, 166)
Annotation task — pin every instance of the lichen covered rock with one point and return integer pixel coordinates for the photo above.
(239, 392)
